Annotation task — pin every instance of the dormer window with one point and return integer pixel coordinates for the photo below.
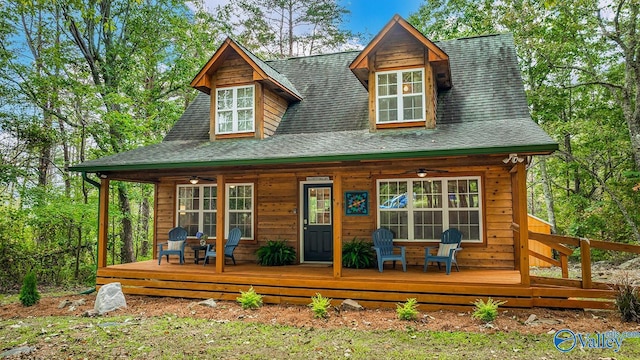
(400, 96)
(235, 110)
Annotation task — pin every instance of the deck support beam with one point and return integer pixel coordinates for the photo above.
(103, 223)
(220, 223)
(337, 225)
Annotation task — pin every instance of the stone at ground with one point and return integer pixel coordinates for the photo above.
(349, 304)
(22, 350)
(109, 298)
(78, 302)
(632, 264)
(209, 302)
(63, 304)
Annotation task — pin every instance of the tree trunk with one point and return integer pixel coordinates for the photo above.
(126, 231)
(548, 195)
(144, 221)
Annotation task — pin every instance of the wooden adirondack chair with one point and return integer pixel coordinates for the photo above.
(175, 246)
(383, 245)
(232, 242)
(449, 246)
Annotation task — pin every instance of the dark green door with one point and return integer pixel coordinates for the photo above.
(317, 222)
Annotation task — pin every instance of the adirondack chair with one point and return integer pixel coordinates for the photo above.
(175, 246)
(383, 245)
(229, 247)
(449, 246)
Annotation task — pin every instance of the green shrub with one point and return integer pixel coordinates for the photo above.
(357, 254)
(249, 299)
(320, 306)
(29, 295)
(627, 300)
(486, 311)
(408, 310)
(276, 253)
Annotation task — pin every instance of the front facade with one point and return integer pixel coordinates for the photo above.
(407, 134)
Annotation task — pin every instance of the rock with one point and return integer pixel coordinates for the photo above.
(631, 264)
(79, 302)
(63, 304)
(209, 302)
(72, 308)
(530, 321)
(109, 298)
(349, 304)
(17, 351)
(90, 313)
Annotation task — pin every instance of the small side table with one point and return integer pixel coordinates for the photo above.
(196, 252)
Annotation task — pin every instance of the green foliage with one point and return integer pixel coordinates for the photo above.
(486, 311)
(408, 310)
(249, 299)
(627, 300)
(319, 305)
(357, 254)
(29, 294)
(276, 253)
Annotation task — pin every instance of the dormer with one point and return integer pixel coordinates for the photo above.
(403, 71)
(248, 97)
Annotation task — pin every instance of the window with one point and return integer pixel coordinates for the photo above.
(421, 209)
(197, 206)
(400, 96)
(234, 110)
(240, 208)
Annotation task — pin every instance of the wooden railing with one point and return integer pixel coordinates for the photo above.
(559, 243)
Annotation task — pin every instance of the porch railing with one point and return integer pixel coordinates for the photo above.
(560, 242)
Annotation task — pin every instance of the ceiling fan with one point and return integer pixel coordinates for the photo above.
(423, 172)
(195, 179)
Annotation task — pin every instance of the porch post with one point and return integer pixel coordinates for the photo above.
(103, 223)
(337, 225)
(221, 206)
(523, 222)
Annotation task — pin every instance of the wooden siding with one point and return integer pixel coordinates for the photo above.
(274, 108)
(277, 210)
(539, 226)
(234, 71)
(399, 49)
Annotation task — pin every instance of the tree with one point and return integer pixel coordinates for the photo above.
(286, 28)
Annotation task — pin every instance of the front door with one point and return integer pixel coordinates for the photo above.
(317, 222)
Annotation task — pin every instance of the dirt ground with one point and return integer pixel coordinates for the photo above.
(509, 320)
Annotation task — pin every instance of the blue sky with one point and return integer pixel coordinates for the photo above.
(371, 15)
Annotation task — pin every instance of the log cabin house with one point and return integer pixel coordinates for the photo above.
(314, 149)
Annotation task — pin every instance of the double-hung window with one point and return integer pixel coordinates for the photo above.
(421, 209)
(235, 110)
(240, 208)
(197, 207)
(400, 96)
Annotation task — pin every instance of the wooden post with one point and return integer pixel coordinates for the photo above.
(337, 225)
(585, 256)
(103, 223)
(221, 206)
(523, 221)
(564, 266)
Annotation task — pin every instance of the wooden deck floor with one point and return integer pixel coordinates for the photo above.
(297, 283)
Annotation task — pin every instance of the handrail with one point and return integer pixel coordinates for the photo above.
(559, 242)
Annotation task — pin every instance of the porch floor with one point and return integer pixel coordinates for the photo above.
(297, 283)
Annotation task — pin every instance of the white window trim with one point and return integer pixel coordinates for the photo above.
(445, 208)
(399, 96)
(228, 211)
(201, 211)
(235, 109)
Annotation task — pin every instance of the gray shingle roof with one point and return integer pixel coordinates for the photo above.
(484, 112)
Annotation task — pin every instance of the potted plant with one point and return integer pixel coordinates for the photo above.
(276, 253)
(202, 237)
(357, 254)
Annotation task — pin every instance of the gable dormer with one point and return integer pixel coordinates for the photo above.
(248, 97)
(403, 71)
